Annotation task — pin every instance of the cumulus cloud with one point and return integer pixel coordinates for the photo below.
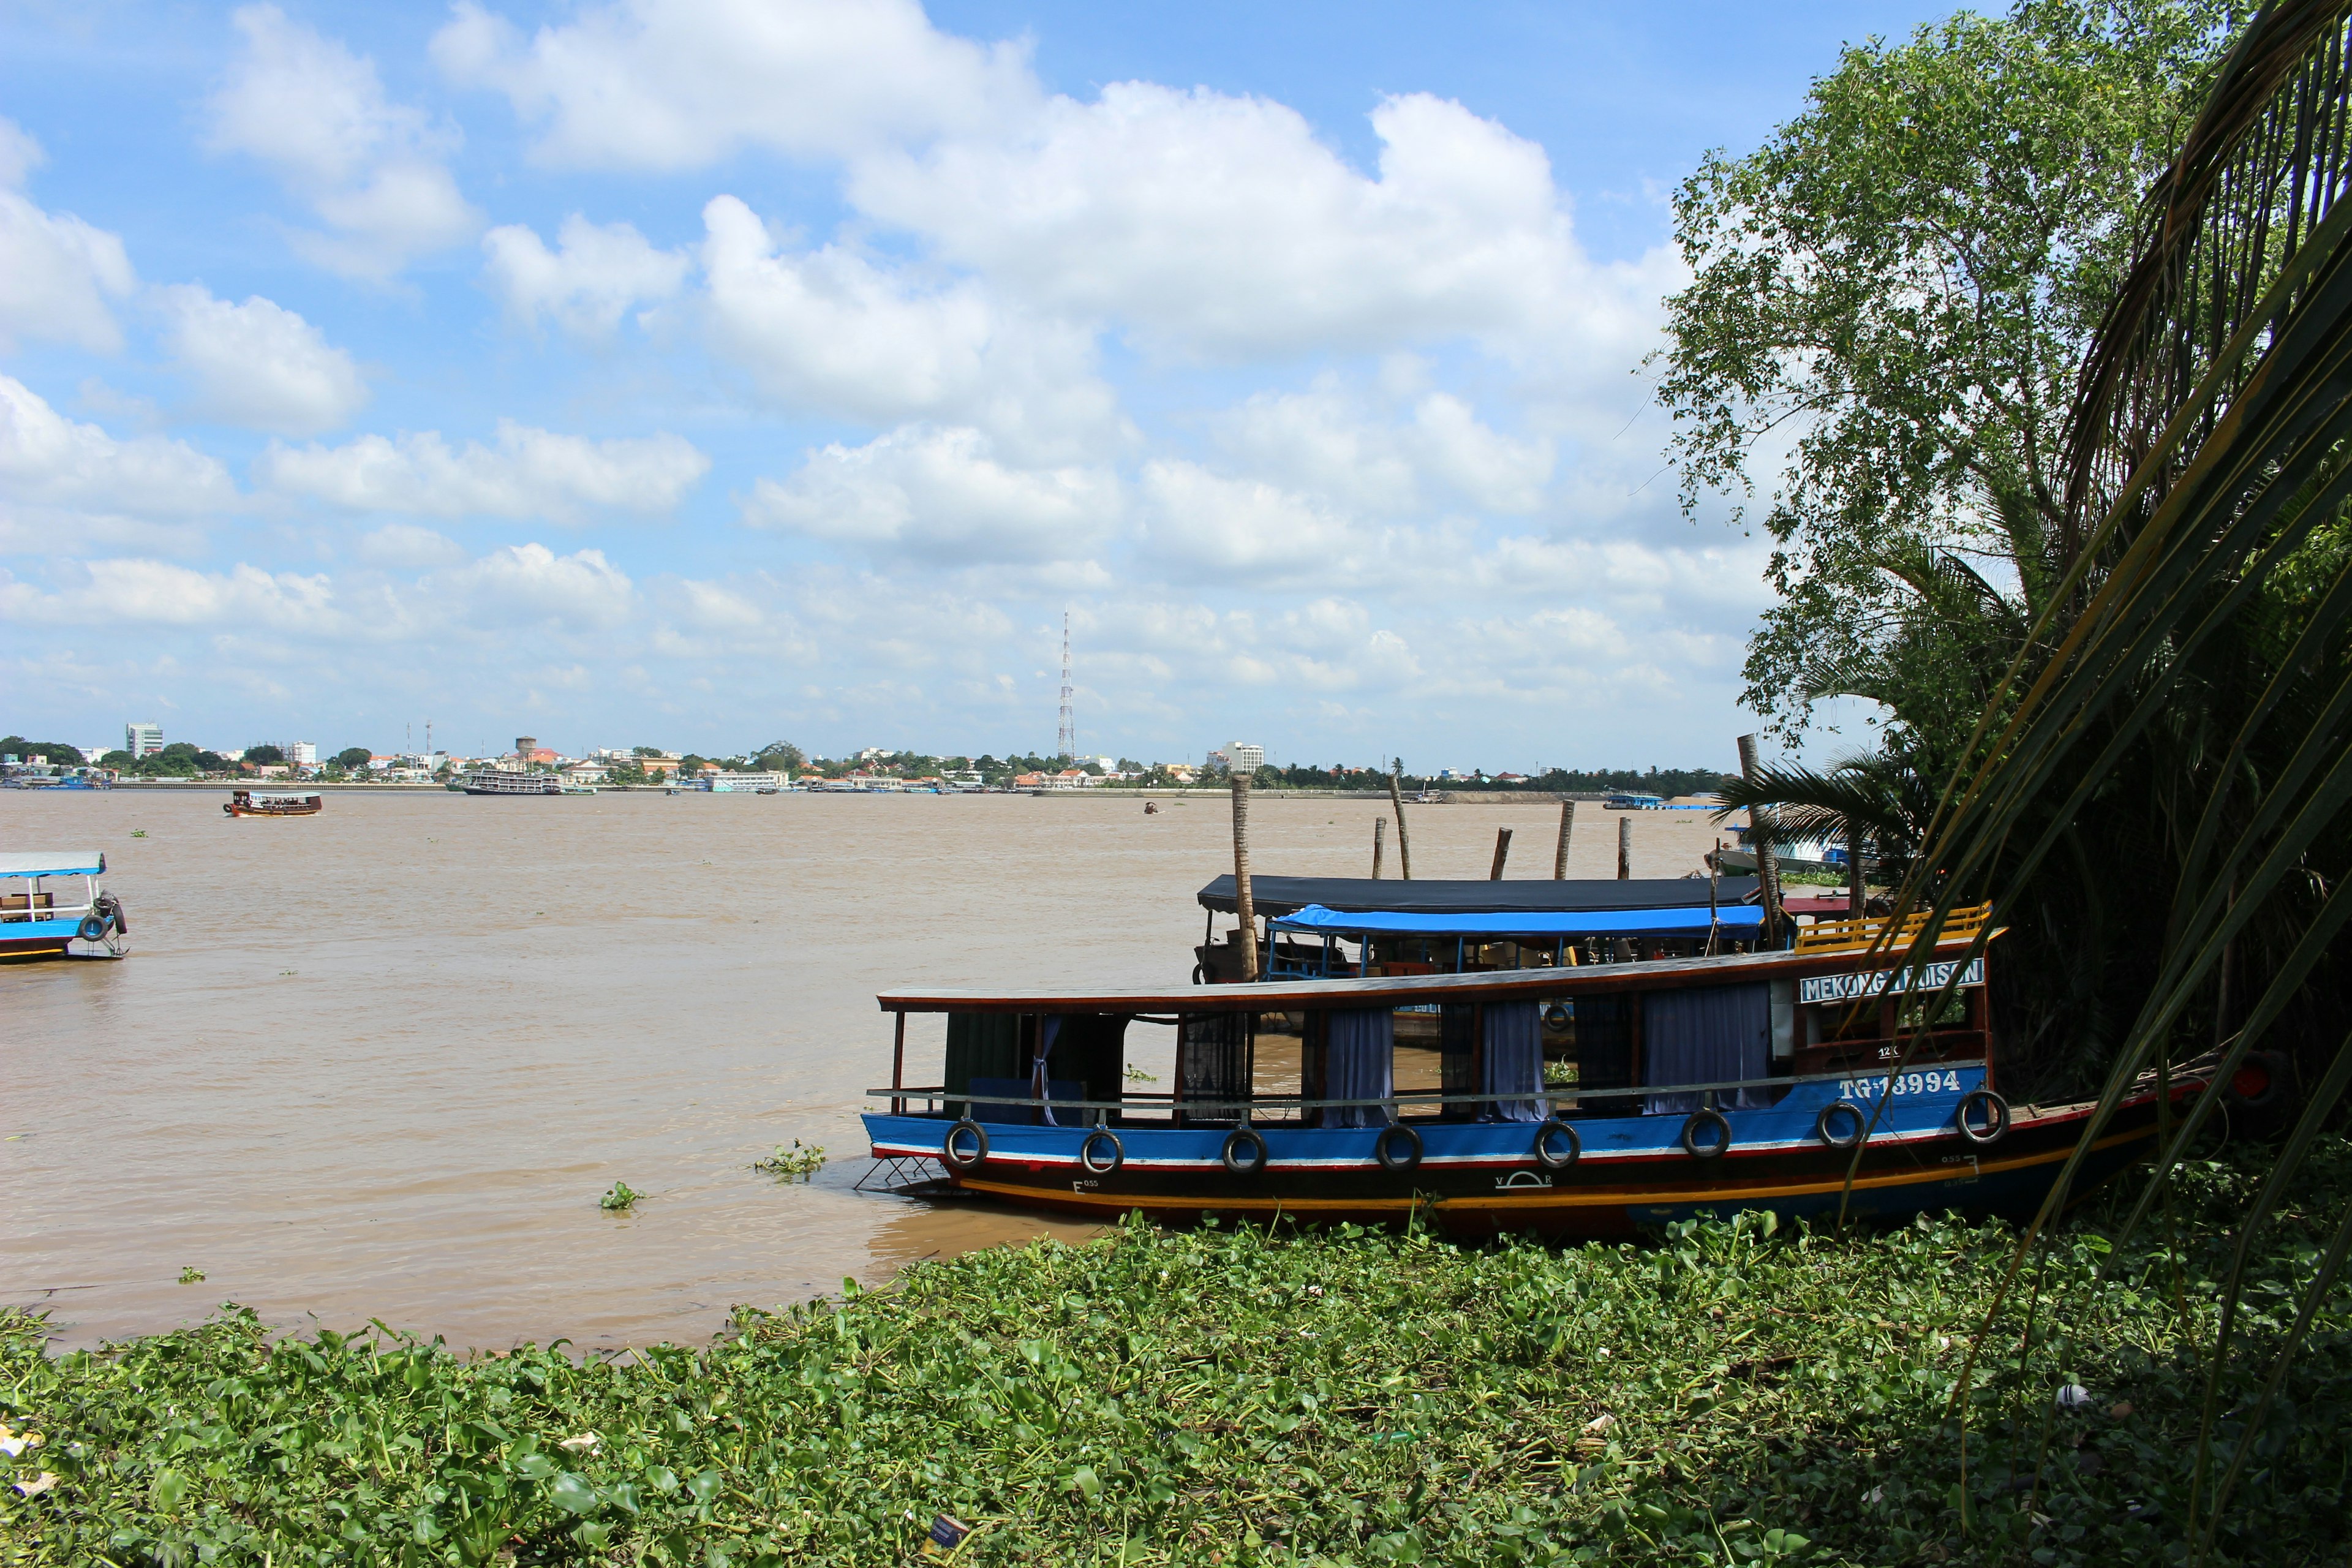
(830, 330)
(527, 473)
(259, 365)
(597, 274)
(530, 582)
(399, 544)
(1204, 524)
(48, 459)
(57, 272)
(1327, 441)
(1223, 226)
(372, 170)
(939, 496)
(157, 593)
(668, 84)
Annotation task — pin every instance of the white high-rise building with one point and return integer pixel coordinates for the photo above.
(1245, 758)
(143, 739)
(301, 753)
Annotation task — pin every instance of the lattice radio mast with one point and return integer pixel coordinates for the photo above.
(1068, 740)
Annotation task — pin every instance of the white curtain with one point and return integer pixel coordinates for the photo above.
(1360, 1064)
(1514, 1061)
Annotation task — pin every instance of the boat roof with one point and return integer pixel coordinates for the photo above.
(1694, 920)
(1279, 996)
(53, 863)
(1286, 895)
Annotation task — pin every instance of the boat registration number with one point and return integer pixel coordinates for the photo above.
(1932, 1081)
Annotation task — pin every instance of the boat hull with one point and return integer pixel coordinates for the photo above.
(1633, 1172)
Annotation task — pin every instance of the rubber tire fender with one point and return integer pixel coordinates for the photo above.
(1995, 1107)
(1552, 1126)
(2272, 1066)
(1391, 1162)
(92, 928)
(979, 1146)
(1086, 1152)
(1200, 974)
(1821, 1124)
(1701, 1117)
(111, 907)
(1239, 1139)
(1557, 1017)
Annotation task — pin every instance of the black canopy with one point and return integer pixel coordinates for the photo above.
(1283, 895)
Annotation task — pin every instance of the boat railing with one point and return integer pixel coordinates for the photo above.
(1553, 1098)
(19, 907)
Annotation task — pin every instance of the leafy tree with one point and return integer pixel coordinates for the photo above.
(1890, 300)
(264, 754)
(782, 756)
(118, 759)
(59, 754)
(353, 758)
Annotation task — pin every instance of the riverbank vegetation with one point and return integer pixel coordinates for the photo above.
(1727, 1395)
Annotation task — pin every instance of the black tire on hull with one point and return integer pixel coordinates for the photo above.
(1384, 1147)
(1550, 1158)
(1095, 1138)
(1996, 1111)
(1244, 1152)
(1709, 1117)
(1829, 1112)
(92, 929)
(979, 1155)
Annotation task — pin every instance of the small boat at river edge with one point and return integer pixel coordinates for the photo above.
(1585, 1100)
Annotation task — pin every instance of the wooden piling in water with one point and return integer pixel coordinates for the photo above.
(1404, 845)
(1502, 853)
(1380, 842)
(1243, 905)
(1560, 855)
(1625, 848)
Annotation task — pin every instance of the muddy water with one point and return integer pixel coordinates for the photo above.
(383, 1061)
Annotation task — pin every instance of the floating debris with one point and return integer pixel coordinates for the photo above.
(795, 1161)
(622, 1196)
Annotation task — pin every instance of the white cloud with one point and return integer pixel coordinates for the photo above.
(259, 365)
(528, 473)
(371, 169)
(399, 544)
(1201, 523)
(530, 582)
(939, 496)
(48, 459)
(57, 272)
(1326, 441)
(1222, 227)
(668, 84)
(586, 286)
(830, 330)
(156, 593)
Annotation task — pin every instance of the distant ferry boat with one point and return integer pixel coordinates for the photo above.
(498, 781)
(1633, 800)
(245, 803)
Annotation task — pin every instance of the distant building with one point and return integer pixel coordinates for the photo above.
(301, 754)
(1243, 758)
(143, 739)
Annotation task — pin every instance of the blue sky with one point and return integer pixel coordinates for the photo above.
(710, 373)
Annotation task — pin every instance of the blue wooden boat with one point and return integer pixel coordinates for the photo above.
(1585, 1100)
(50, 901)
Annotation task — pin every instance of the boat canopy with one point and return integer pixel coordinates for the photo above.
(1692, 922)
(1287, 895)
(54, 863)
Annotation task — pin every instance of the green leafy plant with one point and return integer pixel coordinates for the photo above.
(621, 1198)
(797, 1161)
(192, 1275)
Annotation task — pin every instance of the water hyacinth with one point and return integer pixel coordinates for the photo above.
(1770, 1397)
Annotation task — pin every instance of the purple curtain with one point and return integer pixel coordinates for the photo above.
(1514, 1061)
(1360, 1064)
(1713, 1034)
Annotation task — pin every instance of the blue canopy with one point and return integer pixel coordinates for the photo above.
(1691, 922)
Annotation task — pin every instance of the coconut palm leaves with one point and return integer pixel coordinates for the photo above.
(2190, 670)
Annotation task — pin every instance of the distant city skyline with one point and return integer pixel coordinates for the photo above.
(612, 369)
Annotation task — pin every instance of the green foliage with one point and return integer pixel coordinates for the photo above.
(1728, 1395)
(264, 754)
(1904, 280)
(796, 1160)
(60, 755)
(621, 1197)
(192, 1275)
(352, 757)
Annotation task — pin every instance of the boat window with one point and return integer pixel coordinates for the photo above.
(1600, 1042)
(1213, 1065)
(1360, 1063)
(1706, 1033)
(1278, 1058)
(25, 898)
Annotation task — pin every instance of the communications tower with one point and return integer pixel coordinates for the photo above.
(1068, 739)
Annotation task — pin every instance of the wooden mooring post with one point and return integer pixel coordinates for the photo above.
(1560, 855)
(1502, 853)
(1243, 905)
(1396, 802)
(1380, 842)
(1625, 848)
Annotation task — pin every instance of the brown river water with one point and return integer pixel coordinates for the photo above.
(382, 1062)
